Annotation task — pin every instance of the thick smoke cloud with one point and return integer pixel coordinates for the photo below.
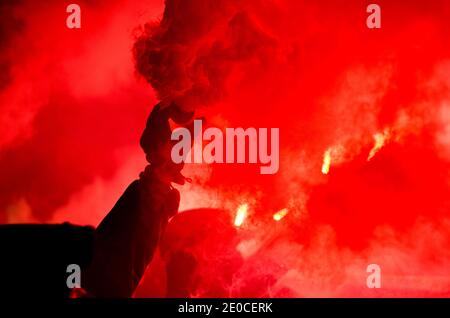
(329, 83)
(71, 108)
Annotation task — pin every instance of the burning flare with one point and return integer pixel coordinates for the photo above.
(379, 142)
(326, 161)
(241, 214)
(280, 214)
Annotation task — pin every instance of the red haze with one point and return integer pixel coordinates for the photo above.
(73, 109)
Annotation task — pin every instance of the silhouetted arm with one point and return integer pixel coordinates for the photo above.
(127, 238)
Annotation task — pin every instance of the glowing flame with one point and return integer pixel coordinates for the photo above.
(379, 142)
(241, 214)
(326, 161)
(280, 214)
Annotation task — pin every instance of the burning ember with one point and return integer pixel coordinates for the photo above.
(280, 214)
(379, 142)
(241, 214)
(326, 161)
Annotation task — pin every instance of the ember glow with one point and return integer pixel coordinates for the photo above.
(379, 141)
(241, 214)
(280, 214)
(326, 161)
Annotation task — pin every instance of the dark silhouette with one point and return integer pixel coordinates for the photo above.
(114, 256)
(201, 261)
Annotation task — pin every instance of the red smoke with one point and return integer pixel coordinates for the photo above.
(72, 109)
(69, 146)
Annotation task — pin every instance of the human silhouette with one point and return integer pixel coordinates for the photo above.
(113, 257)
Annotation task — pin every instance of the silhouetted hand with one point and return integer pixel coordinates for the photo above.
(157, 144)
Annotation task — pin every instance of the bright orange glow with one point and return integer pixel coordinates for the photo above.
(379, 142)
(241, 214)
(326, 161)
(280, 214)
